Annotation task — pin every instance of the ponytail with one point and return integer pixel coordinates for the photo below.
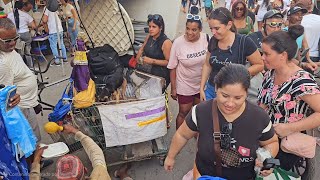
(17, 5)
(16, 17)
(295, 31)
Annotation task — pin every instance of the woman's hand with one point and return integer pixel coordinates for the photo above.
(147, 60)
(202, 95)
(311, 65)
(73, 29)
(169, 163)
(174, 94)
(263, 173)
(282, 130)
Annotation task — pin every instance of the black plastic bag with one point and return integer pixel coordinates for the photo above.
(103, 60)
(107, 84)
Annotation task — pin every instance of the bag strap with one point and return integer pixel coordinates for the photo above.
(208, 38)
(286, 174)
(217, 138)
(241, 49)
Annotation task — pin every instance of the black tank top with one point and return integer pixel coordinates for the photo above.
(153, 49)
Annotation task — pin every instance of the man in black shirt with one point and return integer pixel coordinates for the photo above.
(272, 21)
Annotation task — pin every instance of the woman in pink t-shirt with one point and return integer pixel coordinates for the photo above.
(187, 56)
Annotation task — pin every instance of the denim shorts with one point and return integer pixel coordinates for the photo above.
(210, 91)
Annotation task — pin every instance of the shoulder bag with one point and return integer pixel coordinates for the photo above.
(299, 144)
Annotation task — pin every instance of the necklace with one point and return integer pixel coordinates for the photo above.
(153, 42)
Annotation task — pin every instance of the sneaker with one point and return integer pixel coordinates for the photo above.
(65, 60)
(57, 63)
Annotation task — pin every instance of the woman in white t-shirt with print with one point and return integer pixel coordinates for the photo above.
(23, 22)
(187, 56)
(261, 10)
(69, 12)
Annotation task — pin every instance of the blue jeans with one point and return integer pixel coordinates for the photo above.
(315, 59)
(53, 40)
(73, 34)
(210, 91)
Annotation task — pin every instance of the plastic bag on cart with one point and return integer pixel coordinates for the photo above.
(64, 105)
(147, 86)
(103, 60)
(106, 85)
(17, 126)
(85, 98)
(133, 122)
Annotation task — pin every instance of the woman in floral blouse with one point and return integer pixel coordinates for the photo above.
(289, 94)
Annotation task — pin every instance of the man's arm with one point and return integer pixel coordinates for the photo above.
(93, 151)
(35, 167)
(6, 76)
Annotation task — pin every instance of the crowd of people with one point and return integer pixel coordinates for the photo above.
(235, 55)
(258, 86)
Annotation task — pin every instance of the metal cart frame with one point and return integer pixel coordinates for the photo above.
(89, 122)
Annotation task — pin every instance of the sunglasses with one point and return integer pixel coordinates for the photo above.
(155, 17)
(7, 41)
(275, 24)
(239, 9)
(225, 136)
(194, 17)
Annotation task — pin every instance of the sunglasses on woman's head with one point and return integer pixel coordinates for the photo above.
(7, 41)
(154, 17)
(239, 9)
(194, 17)
(275, 24)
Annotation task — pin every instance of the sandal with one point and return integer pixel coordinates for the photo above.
(115, 174)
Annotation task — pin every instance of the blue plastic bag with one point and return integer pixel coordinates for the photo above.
(210, 178)
(64, 105)
(17, 126)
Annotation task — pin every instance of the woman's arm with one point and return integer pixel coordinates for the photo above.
(256, 63)
(257, 9)
(173, 76)
(206, 70)
(308, 123)
(139, 54)
(272, 145)
(179, 140)
(45, 23)
(75, 17)
(32, 25)
(166, 47)
(305, 46)
(252, 25)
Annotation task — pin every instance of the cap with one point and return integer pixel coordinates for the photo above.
(296, 9)
(69, 167)
(272, 13)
